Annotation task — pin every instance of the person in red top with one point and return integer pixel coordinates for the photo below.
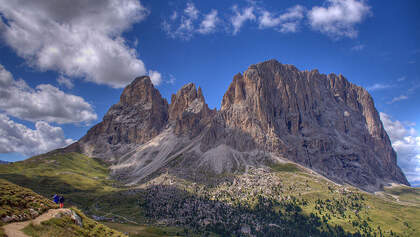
(61, 200)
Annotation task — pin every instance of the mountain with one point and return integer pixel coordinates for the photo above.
(3, 162)
(272, 112)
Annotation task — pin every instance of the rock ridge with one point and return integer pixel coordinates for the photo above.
(271, 110)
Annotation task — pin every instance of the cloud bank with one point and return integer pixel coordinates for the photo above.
(45, 102)
(77, 38)
(16, 137)
(406, 142)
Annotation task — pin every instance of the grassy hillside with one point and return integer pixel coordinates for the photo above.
(282, 198)
(64, 226)
(21, 204)
(85, 183)
(79, 178)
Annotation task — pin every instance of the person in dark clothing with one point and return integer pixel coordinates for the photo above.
(61, 200)
(56, 198)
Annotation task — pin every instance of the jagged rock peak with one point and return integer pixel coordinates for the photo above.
(189, 99)
(189, 110)
(141, 90)
(140, 115)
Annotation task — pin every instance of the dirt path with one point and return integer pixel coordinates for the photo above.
(15, 229)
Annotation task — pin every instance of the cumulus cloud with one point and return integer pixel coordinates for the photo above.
(155, 77)
(45, 102)
(406, 142)
(338, 18)
(64, 81)
(190, 22)
(286, 22)
(240, 17)
(16, 137)
(77, 38)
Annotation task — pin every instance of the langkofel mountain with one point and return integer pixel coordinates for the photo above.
(271, 112)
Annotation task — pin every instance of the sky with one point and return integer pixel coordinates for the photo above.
(64, 63)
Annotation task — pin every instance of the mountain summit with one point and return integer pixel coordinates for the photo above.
(271, 112)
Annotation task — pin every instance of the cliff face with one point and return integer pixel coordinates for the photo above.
(140, 115)
(323, 122)
(271, 110)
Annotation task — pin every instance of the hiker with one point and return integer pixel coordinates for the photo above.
(56, 198)
(61, 200)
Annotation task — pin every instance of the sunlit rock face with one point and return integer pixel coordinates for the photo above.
(321, 121)
(271, 111)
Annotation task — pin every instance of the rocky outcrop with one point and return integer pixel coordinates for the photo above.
(271, 111)
(189, 111)
(321, 121)
(140, 115)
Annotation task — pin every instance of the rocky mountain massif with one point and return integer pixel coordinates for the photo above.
(270, 113)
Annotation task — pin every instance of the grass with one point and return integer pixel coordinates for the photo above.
(405, 194)
(18, 202)
(79, 178)
(65, 227)
(150, 231)
(85, 183)
(376, 210)
(284, 167)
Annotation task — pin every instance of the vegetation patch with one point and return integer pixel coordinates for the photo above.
(65, 227)
(283, 200)
(153, 231)
(19, 204)
(79, 178)
(284, 167)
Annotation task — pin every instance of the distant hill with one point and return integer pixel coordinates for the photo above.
(4, 162)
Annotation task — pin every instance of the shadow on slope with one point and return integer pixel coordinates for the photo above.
(172, 206)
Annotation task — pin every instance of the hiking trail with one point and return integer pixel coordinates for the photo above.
(15, 229)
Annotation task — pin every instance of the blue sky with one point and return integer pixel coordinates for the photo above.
(64, 64)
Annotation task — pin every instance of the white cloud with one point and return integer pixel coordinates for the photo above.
(190, 22)
(378, 86)
(155, 77)
(77, 38)
(338, 18)
(208, 25)
(16, 137)
(240, 18)
(45, 102)
(406, 142)
(401, 79)
(191, 11)
(286, 22)
(398, 98)
(64, 81)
